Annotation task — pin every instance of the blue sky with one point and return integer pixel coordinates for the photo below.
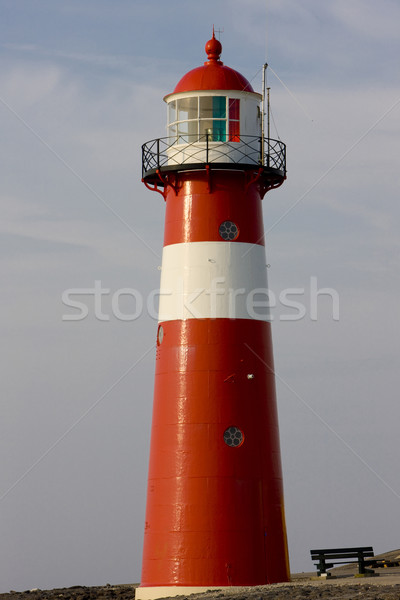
(81, 88)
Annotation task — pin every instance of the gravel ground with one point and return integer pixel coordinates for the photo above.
(107, 592)
(328, 590)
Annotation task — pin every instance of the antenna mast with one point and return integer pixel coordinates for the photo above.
(264, 81)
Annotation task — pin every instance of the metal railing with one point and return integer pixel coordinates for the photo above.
(205, 149)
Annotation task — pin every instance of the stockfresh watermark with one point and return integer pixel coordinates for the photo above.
(215, 301)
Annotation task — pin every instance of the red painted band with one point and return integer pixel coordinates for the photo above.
(215, 512)
(195, 215)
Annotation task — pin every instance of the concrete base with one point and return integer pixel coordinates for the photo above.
(152, 593)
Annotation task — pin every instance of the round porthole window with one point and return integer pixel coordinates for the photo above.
(160, 335)
(228, 230)
(233, 437)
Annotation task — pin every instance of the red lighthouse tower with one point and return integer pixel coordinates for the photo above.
(215, 514)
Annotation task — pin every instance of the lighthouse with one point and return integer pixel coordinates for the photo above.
(215, 509)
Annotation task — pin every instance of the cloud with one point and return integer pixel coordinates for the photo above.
(27, 85)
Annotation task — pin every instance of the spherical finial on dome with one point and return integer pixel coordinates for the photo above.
(213, 48)
(212, 75)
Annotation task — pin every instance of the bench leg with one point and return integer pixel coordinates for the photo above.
(361, 565)
(322, 566)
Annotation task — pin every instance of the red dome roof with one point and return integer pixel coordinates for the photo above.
(213, 75)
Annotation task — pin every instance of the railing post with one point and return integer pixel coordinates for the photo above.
(207, 134)
(158, 153)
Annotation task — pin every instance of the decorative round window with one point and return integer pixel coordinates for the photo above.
(233, 437)
(228, 230)
(160, 335)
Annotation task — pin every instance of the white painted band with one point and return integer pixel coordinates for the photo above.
(211, 280)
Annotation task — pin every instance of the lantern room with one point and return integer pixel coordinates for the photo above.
(221, 116)
(201, 121)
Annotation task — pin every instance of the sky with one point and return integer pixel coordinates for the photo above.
(81, 88)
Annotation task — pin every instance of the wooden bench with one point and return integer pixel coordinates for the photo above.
(331, 555)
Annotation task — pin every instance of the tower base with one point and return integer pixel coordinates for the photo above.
(153, 593)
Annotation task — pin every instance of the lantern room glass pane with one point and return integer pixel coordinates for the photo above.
(172, 130)
(219, 131)
(193, 130)
(187, 132)
(206, 107)
(172, 112)
(234, 106)
(219, 107)
(206, 126)
(234, 131)
(187, 108)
